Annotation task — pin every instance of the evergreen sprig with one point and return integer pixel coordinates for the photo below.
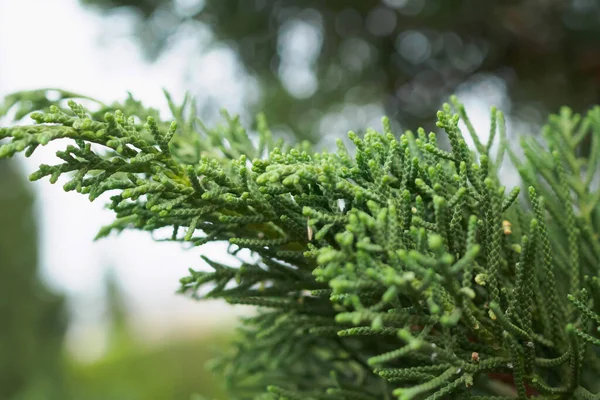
(403, 271)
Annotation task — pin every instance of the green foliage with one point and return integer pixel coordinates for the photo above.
(402, 270)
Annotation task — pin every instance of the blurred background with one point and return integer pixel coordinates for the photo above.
(100, 320)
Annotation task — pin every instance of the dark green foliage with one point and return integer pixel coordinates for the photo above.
(32, 320)
(402, 271)
(405, 55)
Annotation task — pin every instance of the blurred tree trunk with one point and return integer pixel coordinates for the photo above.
(32, 319)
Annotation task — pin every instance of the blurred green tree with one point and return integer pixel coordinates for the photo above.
(314, 58)
(172, 371)
(132, 370)
(32, 318)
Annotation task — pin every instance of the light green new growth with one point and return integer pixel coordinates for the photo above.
(406, 271)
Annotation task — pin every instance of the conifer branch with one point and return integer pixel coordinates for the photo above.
(405, 271)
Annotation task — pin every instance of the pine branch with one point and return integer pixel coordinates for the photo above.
(405, 271)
